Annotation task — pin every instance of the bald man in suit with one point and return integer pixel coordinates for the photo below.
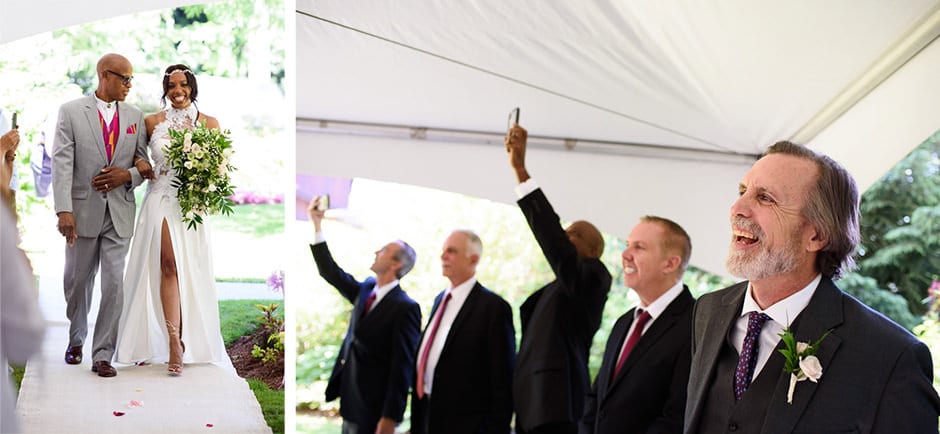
(559, 320)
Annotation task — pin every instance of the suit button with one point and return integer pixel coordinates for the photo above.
(732, 426)
(342, 361)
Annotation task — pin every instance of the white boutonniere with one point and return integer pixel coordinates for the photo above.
(801, 362)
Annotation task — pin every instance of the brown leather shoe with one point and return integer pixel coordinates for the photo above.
(103, 368)
(73, 355)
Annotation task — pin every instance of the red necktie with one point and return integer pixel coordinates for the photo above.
(422, 366)
(369, 302)
(633, 339)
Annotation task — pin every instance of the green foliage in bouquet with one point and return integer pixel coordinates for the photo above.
(202, 160)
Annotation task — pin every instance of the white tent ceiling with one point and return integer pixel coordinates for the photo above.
(418, 92)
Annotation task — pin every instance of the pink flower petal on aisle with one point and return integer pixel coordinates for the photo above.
(141, 363)
(118, 413)
(209, 425)
(135, 403)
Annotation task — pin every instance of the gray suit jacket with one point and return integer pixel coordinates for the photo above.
(877, 377)
(79, 156)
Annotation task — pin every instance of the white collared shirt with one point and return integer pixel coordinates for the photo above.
(459, 295)
(781, 313)
(381, 292)
(106, 112)
(655, 309)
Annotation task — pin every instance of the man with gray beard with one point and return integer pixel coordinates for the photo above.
(795, 229)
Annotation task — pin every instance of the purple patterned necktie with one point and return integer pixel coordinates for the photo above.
(747, 361)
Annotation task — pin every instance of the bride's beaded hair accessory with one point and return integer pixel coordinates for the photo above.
(184, 71)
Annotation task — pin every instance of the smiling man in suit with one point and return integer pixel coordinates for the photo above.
(794, 229)
(641, 385)
(560, 319)
(465, 359)
(97, 140)
(374, 368)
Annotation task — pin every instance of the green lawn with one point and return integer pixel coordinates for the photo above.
(310, 423)
(272, 404)
(257, 220)
(238, 317)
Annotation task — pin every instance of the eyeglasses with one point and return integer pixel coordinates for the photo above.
(124, 78)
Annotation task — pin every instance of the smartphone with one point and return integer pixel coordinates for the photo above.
(15, 126)
(324, 202)
(513, 118)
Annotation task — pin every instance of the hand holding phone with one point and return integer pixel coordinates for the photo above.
(15, 125)
(513, 119)
(324, 203)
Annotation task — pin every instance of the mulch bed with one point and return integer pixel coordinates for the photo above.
(248, 366)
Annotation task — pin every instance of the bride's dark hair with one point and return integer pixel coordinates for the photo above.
(190, 80)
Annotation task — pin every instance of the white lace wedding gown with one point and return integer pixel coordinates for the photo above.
(142, 335)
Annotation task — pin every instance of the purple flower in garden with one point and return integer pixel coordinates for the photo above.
(242, 197)
(276, 281)
(933, 297)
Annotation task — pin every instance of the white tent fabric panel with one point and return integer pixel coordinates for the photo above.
(730, 75)
(882, 128)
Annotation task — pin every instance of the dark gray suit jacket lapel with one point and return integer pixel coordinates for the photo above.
(706, 357)
(823, 313)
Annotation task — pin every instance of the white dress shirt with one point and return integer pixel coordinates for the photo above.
(655, 309)
(458, 295)
(781, 313)
(106, 109)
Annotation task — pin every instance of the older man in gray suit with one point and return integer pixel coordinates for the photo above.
(795, 228)
(98, 140)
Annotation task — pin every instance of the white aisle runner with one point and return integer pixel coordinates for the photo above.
(59, 398)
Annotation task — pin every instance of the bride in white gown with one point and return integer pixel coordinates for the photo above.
(171, 311)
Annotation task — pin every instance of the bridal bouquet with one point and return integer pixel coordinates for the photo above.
(202, 160)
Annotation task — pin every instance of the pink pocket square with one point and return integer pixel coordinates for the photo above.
(131, 129)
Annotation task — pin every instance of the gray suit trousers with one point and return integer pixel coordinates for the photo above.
(81, 265)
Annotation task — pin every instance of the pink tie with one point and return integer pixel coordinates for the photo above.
(427, 347)
(633, 339)
(369, 302)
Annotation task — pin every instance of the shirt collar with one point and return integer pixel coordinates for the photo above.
(380, 291)
(657, 307)
(463, 289)
(102, 105)
(786, 310)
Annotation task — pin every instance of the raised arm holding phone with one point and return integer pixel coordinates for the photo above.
(560, 319)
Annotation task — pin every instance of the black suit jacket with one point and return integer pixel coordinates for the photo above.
(375, 366)
(877, 377)
(648, 394)
(471, 391)
(558, 325)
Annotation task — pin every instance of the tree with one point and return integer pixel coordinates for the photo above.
(900, 215)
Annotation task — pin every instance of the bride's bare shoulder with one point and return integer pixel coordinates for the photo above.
(154, 119)
(211, 122)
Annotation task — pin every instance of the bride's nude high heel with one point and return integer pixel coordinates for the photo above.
(175, 369)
